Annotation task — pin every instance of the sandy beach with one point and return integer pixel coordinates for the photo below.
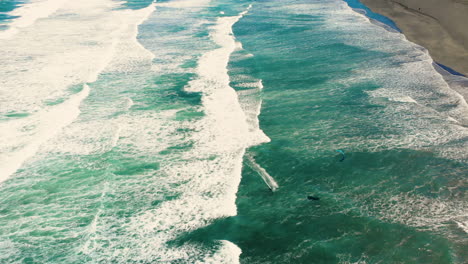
(438, 25)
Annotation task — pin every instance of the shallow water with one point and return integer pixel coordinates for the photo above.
(193, 132)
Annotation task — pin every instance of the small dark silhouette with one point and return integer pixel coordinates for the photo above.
(315, 198)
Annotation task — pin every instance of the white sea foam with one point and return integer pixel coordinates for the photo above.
(414, 61)
(29, 13)
(185, 3)
(229, 254)
(419, 211)
(221, 102)
(251, 103)
(48, 57)
(270, 182)
(257, 84)
(403, 99)
(463, 225)
(46, 124)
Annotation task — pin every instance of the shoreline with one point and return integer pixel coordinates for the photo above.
(435, 25)
(457, 81)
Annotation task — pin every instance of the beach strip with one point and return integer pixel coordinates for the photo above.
(437, 25)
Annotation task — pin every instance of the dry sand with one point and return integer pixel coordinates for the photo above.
(441, 26)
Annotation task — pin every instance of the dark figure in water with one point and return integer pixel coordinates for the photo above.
(315, 198)
(342, 154)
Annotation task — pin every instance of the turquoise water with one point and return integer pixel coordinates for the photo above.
(160, 136)
(6, 7)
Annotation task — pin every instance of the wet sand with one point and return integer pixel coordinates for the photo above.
(441, 26)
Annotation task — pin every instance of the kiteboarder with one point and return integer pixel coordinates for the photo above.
(342, 154)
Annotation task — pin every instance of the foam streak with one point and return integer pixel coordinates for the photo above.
(53, 120)
(270, 182)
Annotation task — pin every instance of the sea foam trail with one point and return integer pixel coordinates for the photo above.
(52, 120)
(47, 58)
(249, 93)
(220, 101)
(270, 182)
(208, 174)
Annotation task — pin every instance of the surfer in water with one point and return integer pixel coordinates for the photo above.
(314, 198)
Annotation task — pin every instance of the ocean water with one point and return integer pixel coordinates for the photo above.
(193, 131)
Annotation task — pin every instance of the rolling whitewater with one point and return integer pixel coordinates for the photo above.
(198, 131)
